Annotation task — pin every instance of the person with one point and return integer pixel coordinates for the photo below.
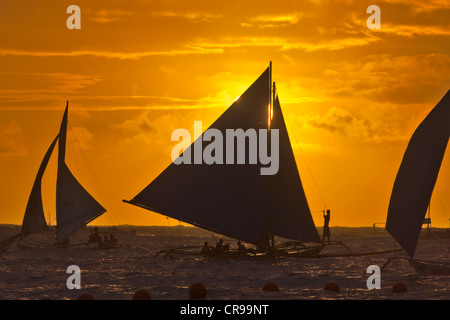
(219, 245)
(220, 249)
(326, 228)
(113, 240)
(94, 237)
(205, 249)
(241, 248)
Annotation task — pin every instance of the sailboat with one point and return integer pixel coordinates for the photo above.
(236, 200)
(414, 184)
(75, 207)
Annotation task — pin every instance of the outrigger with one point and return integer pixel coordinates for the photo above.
(291, 249)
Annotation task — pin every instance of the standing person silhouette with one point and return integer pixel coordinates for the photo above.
(326, 228)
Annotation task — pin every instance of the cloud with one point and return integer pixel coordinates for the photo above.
(274, 21)
(331, 45)
(139, 124)
(189, 49)
(108, 16)
(284, 44)
(12, 141)
(411, 31)
(83, 137)
(373, 128)
(148, 128)
(343, 122)
(387, 78)
(192, 16)
(421, 6)
(40, 91)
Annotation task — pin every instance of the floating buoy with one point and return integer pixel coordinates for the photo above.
(271, 286)
(142, 295)
(399, 287)
(86, 296)
(332, 286)
(197, 291)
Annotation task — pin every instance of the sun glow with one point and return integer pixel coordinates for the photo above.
(352, 112)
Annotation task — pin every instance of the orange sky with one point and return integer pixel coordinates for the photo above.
(137, 70)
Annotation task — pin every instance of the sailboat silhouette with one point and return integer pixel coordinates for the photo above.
(75, 207)
(236, 200)
(415, 182)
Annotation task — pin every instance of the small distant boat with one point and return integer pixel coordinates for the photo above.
(75, 207)
(237, 200)
(414, 184)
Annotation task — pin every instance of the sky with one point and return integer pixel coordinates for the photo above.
(138, 69)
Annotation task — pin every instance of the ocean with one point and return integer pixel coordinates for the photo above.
(42, 272)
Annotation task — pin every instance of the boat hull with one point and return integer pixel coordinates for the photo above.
(430, 267)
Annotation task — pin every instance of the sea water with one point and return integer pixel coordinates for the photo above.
(116, 274)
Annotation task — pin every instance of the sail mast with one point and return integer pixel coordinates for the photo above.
(271, 181)
(61, 164)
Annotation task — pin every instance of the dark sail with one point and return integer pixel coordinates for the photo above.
(233, 200)
(417, 176)
(34, 218)
(228, 199)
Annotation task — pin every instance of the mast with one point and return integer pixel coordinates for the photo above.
(61, 166)
(271, 178)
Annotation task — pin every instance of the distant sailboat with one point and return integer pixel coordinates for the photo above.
(75, 207)
(415, 182)
(236, 200)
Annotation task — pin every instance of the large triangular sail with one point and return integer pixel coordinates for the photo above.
(34, 218)
(233, 200)
(75, 207)
(417, 176)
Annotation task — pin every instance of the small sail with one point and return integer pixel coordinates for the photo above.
(293, 218)
(417, 176)
(75, 207)
(34, 218)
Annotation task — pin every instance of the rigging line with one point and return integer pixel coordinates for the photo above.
(168, 223)
(306, 162)
(95, 180)
(52, 200)
(72, 149)
(441, 203)
(100, 189)
(49, 175)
